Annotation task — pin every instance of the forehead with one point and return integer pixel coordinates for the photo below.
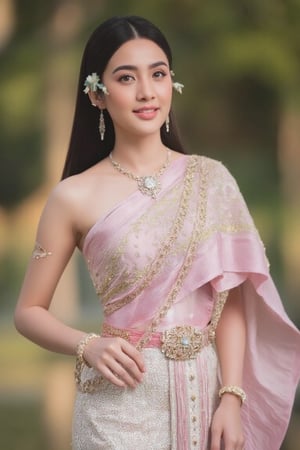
(137, 52)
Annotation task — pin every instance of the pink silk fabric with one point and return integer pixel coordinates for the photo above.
(120, 248)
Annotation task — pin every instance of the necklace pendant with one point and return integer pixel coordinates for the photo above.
(149, 185)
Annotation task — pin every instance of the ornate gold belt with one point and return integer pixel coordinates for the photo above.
(180, 343)
(185, 342)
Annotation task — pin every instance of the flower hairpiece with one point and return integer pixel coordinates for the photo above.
(177, 86)
(92, 83)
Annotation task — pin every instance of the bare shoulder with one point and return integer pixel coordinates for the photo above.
(59, 210)
(74, 190)
(83, 198)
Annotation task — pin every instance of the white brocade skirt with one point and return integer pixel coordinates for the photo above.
(171, 409)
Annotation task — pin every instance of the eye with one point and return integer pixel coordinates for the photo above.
(126, 78)
(159, 74)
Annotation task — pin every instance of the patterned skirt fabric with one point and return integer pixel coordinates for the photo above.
(170, 410)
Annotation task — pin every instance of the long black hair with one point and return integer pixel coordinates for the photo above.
(86, 148)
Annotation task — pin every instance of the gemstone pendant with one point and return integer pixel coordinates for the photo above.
(149, 185)
(185, 341)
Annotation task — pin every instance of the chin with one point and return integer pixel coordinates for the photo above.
(149, 129)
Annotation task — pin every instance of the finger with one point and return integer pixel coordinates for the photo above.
(131, 366)
(126, 355)
(121, 373)
(111, 377)
(110, 367)
(215, 440)
(134, 354)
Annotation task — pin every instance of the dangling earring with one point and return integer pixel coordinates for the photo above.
(168, 124)
(101, 125)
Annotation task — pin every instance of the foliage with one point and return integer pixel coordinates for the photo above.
(25, 431)
(21, 126)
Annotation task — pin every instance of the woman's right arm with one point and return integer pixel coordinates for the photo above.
(58, 234)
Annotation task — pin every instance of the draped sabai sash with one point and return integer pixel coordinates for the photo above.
(146, 249)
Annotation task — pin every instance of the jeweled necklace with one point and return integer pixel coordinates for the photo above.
(147, 184)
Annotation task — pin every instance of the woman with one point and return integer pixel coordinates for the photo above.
(192, 320)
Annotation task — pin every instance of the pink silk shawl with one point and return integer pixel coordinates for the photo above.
(135, 254)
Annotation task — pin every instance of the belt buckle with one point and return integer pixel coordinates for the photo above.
(182, 342)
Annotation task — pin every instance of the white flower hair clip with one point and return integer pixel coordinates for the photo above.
(92, 83)
(177, 86)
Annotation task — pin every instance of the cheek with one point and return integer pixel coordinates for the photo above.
(118, 100)
(166, 92)
(166, 96)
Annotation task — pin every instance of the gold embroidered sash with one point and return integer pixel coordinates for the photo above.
(157, 264)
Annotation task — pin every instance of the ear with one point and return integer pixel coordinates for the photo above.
(97, 99)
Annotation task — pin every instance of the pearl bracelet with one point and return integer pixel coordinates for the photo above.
(234, 390)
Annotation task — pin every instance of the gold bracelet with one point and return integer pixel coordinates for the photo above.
(234, 390)
(81, 347)
(91, 384)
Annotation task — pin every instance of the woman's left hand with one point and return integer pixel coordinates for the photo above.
(226, 425)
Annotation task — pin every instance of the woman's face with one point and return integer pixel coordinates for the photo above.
(139, 83)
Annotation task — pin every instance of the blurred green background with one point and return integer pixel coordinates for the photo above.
(240, 64)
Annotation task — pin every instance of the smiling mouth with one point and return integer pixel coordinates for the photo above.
(145, 110)
(146, 113)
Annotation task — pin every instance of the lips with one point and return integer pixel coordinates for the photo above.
(146, 112)
(145, 109)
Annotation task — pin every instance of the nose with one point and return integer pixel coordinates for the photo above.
(145, 90)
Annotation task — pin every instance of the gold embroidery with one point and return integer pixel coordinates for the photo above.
(117, 280)
(153, 219)
(184, 342)
(39, 252)
(157, 264)
(221, 298)
(114, 281)
(108, 330)
(190, 254)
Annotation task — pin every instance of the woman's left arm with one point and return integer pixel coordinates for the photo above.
(230, 343)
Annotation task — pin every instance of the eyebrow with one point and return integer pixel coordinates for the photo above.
(130, 67)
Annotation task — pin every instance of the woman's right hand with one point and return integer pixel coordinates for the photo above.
(116, 359)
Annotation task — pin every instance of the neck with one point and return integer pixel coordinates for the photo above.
(140, 155)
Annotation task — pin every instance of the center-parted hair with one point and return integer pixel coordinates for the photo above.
(86, 148)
